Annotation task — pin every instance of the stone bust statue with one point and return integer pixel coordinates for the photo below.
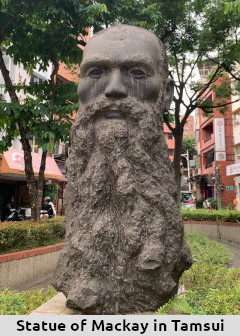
(124, 250)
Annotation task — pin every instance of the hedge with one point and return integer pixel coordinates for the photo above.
(19, 236)
(211, 215)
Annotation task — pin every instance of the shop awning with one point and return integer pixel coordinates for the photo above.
(13, 164)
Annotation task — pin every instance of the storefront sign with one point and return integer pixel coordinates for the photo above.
(13, 163)
(229, 188)
(220, 156)
(219, 135)
(233, 169)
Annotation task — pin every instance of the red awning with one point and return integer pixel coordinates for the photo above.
(13, 163)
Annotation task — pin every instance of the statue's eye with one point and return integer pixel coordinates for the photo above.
(138, 73)
(95, 72)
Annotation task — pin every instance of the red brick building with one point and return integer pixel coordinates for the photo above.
(214, 141)
(188, 127)
(169, 140)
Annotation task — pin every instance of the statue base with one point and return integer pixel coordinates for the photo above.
(57, 306)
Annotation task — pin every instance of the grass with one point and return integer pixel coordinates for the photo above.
(23, 303)
(207, 251)
(211, 287)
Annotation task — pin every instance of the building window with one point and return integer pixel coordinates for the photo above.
(33, 145)
(207, 132)
(237, 118)
(62, 148)
(209, 159)
(35, 79)
(170, 152)
(237, 152)
(170, 136)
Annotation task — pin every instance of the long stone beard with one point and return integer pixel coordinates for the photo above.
(124, 250)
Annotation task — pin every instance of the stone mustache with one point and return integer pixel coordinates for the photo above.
(124, 250)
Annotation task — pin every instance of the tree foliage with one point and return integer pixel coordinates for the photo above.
(232, 7)
(195, 32)
(47, 123)
(188, 144)
(36, 33)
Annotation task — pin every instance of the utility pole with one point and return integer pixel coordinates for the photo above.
(188, 170)
(217, 186)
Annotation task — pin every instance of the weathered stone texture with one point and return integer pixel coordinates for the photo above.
(124, 250)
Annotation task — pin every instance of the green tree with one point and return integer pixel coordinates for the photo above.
(213, 39)
(188, 144)
(36, 32)
(194, 32)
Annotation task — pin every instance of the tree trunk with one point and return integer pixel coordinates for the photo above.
(40, 183)
(35, 186)
(178, 135)
(7, 79)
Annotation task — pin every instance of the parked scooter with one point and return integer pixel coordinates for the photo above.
(16, 215)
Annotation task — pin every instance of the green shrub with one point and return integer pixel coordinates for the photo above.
(18, 236)
(213, 203)
(202, 277)
(175, 305)
(211, 215)
(222, 302)
(50, 190)
(23, 303)
(211, 289)
(199, 203)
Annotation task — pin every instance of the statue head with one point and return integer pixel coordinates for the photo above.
(124, 249)
(124, 62)
(124, 88)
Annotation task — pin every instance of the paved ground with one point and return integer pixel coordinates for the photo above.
(41, 283)
(235, 251)
(232, 247)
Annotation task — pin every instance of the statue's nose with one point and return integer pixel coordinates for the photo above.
(115, 87)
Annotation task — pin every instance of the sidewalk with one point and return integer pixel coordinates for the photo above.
(39, 284)
(235, 251)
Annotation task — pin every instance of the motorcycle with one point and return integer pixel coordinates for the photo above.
(17, 215)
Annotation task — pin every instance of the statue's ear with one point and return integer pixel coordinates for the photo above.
(168, 94)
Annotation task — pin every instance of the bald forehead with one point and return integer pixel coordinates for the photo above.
(132, 34)
(130, 43)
